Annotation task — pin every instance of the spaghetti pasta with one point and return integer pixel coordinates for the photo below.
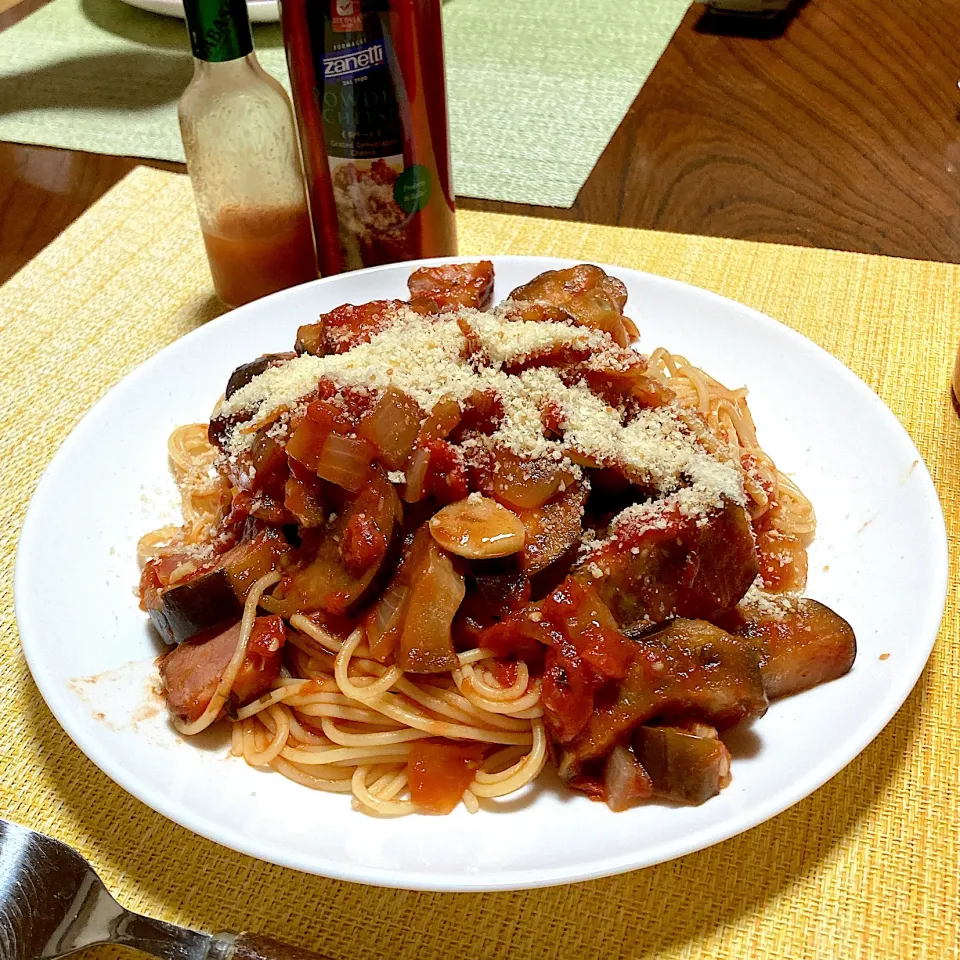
(340, 697)
(280, 730)
(729, 421)
(203, 492)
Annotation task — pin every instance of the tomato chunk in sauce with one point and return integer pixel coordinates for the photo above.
(441, 772)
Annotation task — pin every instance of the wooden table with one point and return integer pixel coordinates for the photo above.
(837, 129)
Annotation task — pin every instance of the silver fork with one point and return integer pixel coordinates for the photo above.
(52, 904)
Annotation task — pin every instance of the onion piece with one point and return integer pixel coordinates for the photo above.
(345, 461)
(625, 781)
(382, 625)
(392, 426)
(436, 592)
(443, 420)
(306, 442)
(582, 459)
(417, 476)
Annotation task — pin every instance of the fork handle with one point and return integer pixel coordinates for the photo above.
(253, 946)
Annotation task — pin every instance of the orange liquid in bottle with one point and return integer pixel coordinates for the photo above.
(253, 252)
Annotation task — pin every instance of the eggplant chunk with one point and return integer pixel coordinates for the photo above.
(685, 766)
(674, 566)
(489, 599)
(252, 559)
(591, 296)
(222, 426)
(452, 285)
(350, 324)
(551, 529)
(203, 603)
(192, 672)
(215, 597)
(689, 670)
(247, 371)
(354, 548)
(803, 646)
(709, 674)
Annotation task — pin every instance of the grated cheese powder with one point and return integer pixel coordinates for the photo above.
(426, 358)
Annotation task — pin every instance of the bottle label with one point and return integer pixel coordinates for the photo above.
(354, 62)
(413, 187)
(360, 92)
(346, 16)
(364, 106)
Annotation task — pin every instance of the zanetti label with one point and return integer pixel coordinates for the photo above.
(354, 62)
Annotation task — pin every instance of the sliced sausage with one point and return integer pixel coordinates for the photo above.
(192, 672)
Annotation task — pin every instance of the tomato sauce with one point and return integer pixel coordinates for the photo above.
(254, 252)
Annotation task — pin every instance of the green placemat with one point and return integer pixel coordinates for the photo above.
(536, 87)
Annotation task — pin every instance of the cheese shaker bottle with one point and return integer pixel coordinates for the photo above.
(369, 94)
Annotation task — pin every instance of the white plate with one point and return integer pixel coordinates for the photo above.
(260, 11)
(880, 559)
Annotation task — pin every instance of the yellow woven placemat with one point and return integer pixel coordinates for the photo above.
(865, 868)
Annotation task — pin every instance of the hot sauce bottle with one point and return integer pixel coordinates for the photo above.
(370, 99)
(240, 142)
